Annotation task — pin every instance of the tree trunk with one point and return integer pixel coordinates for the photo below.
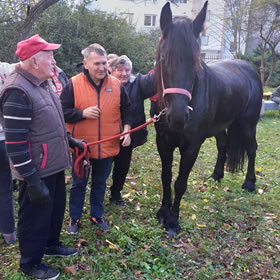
(262, 65)
(273, 63)
(27, 24)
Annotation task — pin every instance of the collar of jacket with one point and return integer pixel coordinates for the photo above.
(30, 77)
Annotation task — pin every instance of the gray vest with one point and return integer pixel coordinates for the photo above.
(47, 134)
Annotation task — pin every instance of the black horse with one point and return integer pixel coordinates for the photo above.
(222, 99)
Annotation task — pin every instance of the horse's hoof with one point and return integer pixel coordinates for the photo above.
(216, 177)
(249, 186)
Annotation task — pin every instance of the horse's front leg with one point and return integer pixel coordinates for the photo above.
(166, 155)
(221, 143)
(187, 161)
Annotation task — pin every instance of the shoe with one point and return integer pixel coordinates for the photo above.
(10, 238)
(99, 222)
(60, 251)
(117, 199)
(73, 227)
(42, 271)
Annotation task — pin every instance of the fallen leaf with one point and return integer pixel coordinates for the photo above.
(260, 191)
(138, 206)
(205, 200)
(112, 245)
(126, 195)
(70, 269)
(201, 189)
(81, 242)
(226, 189)
(138, 273)
(201, 225)
(193, 216)
(118, 229)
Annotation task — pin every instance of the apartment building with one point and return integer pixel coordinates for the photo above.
(145, 15)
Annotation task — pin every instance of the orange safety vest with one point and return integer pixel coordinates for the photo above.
(108, 123)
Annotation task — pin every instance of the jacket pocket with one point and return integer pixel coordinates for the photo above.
(45, 156)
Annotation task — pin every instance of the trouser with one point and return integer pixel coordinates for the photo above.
(120, 170)
(101, 169)
(39, 226)
(7, 221)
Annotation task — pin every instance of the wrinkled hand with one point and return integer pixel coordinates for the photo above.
(73, 142)
(126, 140)
(91, 113)
(38, 193)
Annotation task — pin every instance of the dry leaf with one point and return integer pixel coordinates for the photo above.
(70, 269)
(138, 273)
(226, 189)
(138, 206)
(81, 242)
(112, 245)
(193, 216)
(201, 225)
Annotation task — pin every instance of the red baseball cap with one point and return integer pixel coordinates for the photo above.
(33, 45)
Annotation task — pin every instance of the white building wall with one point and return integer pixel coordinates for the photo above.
(136, 10)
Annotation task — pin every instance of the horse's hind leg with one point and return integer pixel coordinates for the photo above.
(221, 143)
(166, 155)
(251, 148)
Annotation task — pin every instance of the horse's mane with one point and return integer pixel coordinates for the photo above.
(179, 45)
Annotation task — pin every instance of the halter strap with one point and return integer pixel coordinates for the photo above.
(174, 90)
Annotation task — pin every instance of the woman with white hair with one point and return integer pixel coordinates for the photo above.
(138, 88)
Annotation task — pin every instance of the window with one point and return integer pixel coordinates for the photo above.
(150, 20)
(204, 40)
(180, 1)
(128, 17)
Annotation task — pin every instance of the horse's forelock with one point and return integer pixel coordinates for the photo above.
(180, 45)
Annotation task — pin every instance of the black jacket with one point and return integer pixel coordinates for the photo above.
(139, 88)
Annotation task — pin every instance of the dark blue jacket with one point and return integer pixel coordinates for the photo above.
(139, 88)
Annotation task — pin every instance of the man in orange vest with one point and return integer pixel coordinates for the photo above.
(95, 105)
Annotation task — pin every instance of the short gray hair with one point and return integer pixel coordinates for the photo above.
(93, 48)
(121, 61)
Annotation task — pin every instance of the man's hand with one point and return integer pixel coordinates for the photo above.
(91, 113)
(126, 138)
(38, 193)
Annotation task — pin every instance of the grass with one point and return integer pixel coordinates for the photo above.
(226, 232)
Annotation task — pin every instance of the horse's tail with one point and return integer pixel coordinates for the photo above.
(236, 148)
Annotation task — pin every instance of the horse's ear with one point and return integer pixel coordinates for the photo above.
(165, 17)
(199, 20)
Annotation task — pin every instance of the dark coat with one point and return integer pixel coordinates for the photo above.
(139, 88)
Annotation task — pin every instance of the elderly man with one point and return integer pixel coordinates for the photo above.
(37, 145)
(94, 105)
(138, 89)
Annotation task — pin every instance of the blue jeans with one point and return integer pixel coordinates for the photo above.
(101, 169)
(7, 221)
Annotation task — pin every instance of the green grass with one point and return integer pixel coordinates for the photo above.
(226, 232)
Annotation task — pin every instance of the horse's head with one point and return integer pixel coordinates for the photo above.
(178, 62)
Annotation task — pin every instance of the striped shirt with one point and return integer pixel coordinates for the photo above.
(17, 116)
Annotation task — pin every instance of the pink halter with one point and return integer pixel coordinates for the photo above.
(175, 90)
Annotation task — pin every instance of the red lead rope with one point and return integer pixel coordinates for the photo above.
(81, 160)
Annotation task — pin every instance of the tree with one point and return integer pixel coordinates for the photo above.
(76, 27)
(268, 15)
(16, 20)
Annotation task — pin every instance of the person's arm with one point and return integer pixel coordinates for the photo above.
(126, 117)
(17, 116)
(276, 93)
(71, 114)
(146, 84)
